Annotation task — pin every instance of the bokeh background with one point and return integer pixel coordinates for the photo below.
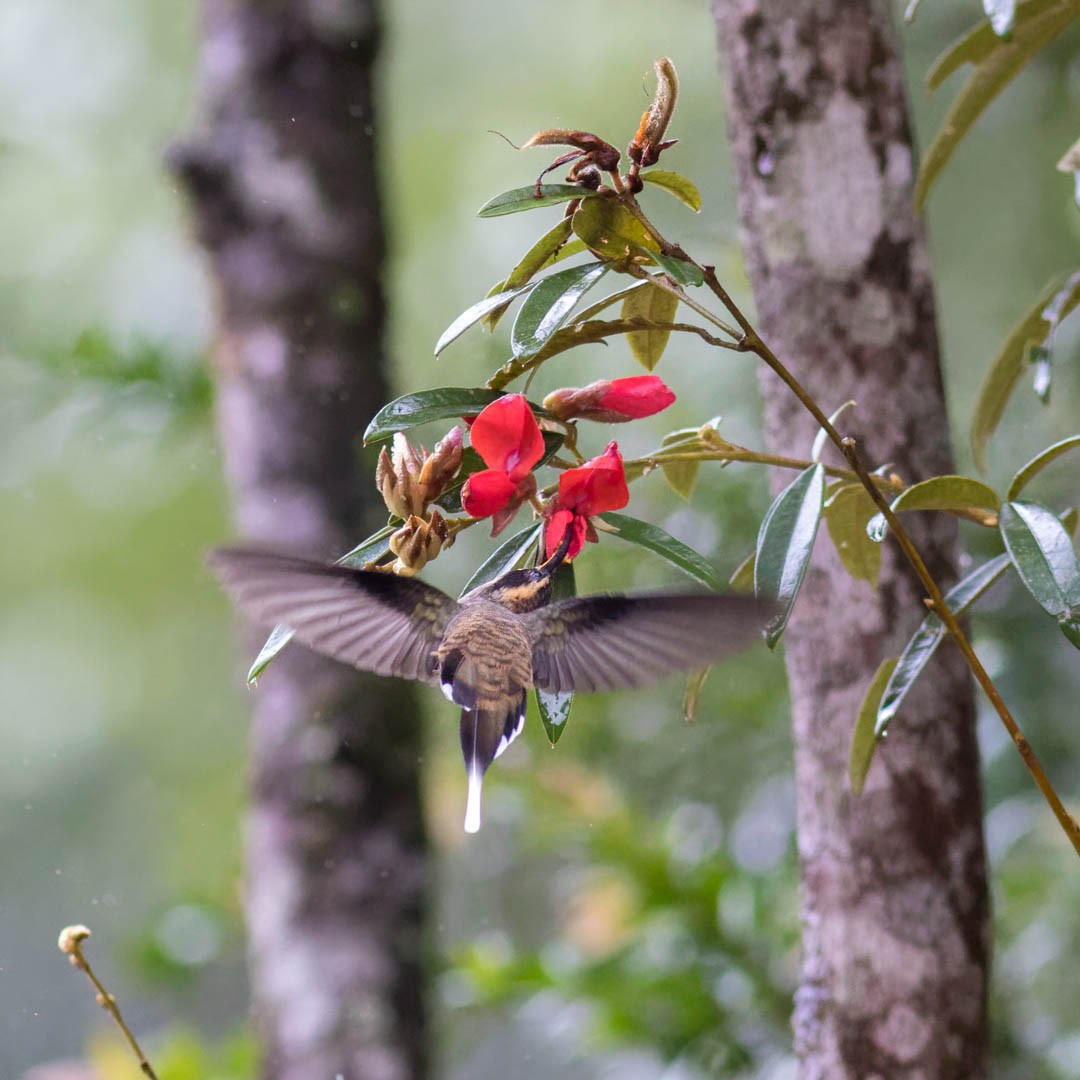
(630, 908)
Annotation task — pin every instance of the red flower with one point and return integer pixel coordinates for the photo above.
(507, 436)
(612, 401)
(593, 488)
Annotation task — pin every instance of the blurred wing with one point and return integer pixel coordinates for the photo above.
(375, 621)
(619, 642)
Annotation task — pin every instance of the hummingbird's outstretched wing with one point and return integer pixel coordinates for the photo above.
(619, 642)
(375, 621)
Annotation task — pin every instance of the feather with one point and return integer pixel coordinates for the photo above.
(620, 642)
(375, 621)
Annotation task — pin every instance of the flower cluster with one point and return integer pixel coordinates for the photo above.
(508, 439)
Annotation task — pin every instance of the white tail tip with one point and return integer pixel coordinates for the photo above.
(472, 806)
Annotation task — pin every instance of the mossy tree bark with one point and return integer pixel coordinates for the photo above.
(894, 907)
(283, 184)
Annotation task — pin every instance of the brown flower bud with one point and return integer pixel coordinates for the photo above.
(397, 477)
(646, 146)
(441, 465)
(417, 542)
(599, 153)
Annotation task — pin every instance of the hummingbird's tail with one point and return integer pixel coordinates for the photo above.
(485, 734)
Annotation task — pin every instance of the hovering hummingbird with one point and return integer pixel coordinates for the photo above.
(488, 649)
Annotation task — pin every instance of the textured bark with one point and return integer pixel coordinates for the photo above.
(894, 906)
(283, 184)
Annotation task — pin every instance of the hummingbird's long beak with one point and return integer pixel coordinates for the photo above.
(558, 556)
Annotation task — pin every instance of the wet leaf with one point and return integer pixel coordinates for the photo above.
(785, 543)
(742, 577)
(958, 494)
(524, 198)
(425, 406)
(1042, 552)
(662, 543)
(1038, 463)
(817, 447)
(1033, 329)
(511, 554)
(678, 185)
(610, 230)
(685, 273)
(996, 62)
(924, 642)
(847, 511)
(472, 315)
(656, 305)
(864, 739)
(549, 306)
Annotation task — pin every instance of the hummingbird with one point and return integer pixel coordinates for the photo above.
(488, 649)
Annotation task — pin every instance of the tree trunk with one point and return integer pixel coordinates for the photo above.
(283, 184)
(894, 902)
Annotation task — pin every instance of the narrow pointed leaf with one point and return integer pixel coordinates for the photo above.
(1038, 463)
(511, 554)
(658, 306)
(848, 510)
(785, 543)
(366, 551)
(924, 642)
(864, 738)
(662, 543)
(549, 306)
(678, 185)
(445, 402)
(957, 494)
(1009, 365)
(1042, 552)
(541, 254)
(610, 230)
(742, 577)
(695, 682)
(524, 198)
(555, 709)
(681, 476)
(996, 61)
(589, 313)
(817, 447)
(472, 315)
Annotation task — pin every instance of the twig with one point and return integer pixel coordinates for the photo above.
(70, 943)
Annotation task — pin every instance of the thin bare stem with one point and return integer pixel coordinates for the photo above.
(70, 943)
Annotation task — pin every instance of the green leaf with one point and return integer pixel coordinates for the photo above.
(524, 198)
(864, 739)
(1042, 552)
(661, 543)
(681, 476)
(924, 642)
(1033, 329)
(657, 305)
(555, 709)
(785, 543)
(511, 554)
(695, 681)
(610, 230)
(1002, 15)
(1038, 463)
(678, 185)
(366, 551)
(685, 273)
(590, 313)
(549, 306)
(996, 62)
(541, 254)
(472, 315)
(423, 407)
(958, 494)
(742, 577)
(847, 512)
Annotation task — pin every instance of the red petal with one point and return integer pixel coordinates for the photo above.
(526, 489)
(556, 528)
(636, 396)
(597, 486)
(507, 436)
(487, 492)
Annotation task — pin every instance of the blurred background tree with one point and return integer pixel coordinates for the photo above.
(630, 907)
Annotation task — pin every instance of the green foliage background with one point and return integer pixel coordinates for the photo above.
(631, 901)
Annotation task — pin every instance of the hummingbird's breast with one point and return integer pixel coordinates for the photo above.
(486, 656)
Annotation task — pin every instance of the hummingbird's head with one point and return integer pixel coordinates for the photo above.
(519, 591)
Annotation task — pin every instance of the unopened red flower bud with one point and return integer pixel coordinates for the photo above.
(611, 401)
